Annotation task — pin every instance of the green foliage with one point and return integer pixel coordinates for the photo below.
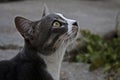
(99, 52)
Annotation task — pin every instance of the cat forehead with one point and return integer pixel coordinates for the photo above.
(55, 16)
(59, 16)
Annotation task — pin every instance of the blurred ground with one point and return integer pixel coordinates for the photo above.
(98, 16)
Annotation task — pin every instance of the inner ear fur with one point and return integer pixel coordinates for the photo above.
(23, 25)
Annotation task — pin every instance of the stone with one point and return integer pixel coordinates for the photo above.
(79, 71)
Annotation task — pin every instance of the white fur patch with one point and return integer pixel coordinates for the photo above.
(69, 21)
(54, 61)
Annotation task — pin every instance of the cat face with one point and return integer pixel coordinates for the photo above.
(49, 33)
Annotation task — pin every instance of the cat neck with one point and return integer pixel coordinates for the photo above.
(51, 62)
(54, 61)
(28, 52)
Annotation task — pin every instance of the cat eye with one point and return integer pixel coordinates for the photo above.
(56, 24)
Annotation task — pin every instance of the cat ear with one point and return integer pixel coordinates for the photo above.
(23, 26)
(45, 10)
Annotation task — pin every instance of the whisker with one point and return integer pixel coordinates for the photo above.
(62, 38)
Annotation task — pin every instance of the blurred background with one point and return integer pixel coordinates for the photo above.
(93, 56)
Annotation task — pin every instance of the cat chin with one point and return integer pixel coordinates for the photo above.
(72, 38)
(46, 52)
(51, 50)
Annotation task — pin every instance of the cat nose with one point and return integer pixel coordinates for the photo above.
(75, 26)
(75, 23)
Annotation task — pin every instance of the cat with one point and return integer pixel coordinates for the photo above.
(45, 44)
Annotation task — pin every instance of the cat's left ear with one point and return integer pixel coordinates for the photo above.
(23, 25)
(45, 10)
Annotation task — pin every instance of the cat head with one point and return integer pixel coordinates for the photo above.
(49, 33)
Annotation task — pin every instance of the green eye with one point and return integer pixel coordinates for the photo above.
(56, 24)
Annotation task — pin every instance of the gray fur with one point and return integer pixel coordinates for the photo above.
(49, 42)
